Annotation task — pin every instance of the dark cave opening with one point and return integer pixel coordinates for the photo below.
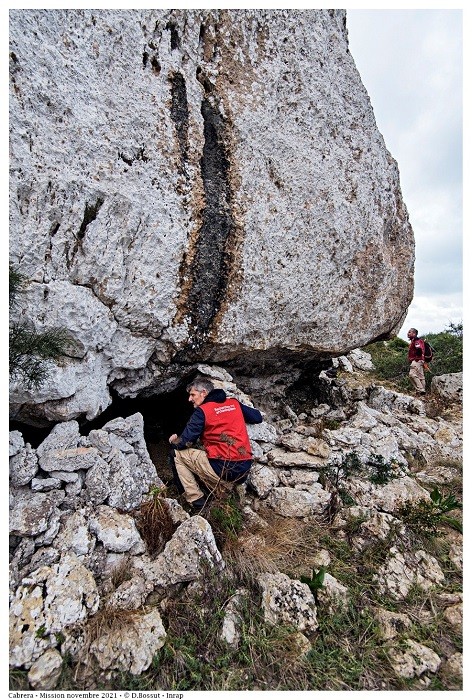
(163, 415)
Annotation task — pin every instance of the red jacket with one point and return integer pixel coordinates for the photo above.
(225, 435)
(416, 350)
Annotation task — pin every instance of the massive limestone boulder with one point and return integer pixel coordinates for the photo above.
(196, 185)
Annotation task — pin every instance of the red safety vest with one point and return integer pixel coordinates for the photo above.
(225, 435)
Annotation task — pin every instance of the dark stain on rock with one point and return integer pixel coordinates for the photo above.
(174, 35)
(179, 112)
(90, 214)
(204, 80)
(210, 263)
(155, 65)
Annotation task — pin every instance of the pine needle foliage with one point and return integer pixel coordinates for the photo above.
(32, 354)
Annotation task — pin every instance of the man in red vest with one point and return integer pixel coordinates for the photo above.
(416, 360)
(220, 423)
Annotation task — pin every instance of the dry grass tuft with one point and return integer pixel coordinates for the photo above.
(107, 621)
(154, 521)
(285, 544)
(121, 573)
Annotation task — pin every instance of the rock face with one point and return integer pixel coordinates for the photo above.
(187, 184)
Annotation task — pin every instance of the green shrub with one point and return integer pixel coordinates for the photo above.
(226, 519)
(315, 582)
(334, 472)
(382, 471)
(390, 357)
(426, 516)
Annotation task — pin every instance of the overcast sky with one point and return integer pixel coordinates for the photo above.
(410, 62)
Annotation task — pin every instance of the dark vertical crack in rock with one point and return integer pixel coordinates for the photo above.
(210, 268)
(179, 113)
(90, 214)
(174, 35)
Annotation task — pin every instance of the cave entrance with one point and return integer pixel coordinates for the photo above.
(163, 415)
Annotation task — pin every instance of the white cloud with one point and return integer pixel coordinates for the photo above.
(411, 64)
(432, 315)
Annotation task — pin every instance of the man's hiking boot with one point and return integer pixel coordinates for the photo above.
(200, 502)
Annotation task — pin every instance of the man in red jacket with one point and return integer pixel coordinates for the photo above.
(220, 423)
(416, 360)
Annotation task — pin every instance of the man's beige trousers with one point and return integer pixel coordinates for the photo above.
(192, 461)
(417, 376)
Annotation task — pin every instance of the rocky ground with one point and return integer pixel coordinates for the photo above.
(351, 505)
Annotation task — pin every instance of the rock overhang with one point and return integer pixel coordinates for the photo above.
(233, 203)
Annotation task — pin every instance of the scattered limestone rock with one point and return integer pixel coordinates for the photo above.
(43, 485)
(454, 615)
(333, 595)
(131, 594)
(386, 400)
(31, 512)
(286, 460)
(27, 642)
(231, 629)
(262, 432)
(301, 644)
(392, 624)
(16, 443)
(97, 482)
(176, 512)
(74, 535)
(448, 386)
(68, 460)
(300, 477)
(71, 594)
(262, 479)
(45, 603)
(390, 497)
(401, 571)
(45, 671)
(379, 526)
(295, 503)
(63, 436)
(317, 447)
(44, 556)
(47, 537)
(288, 602)
(413, 659)
(133, 645)
(23, 464)
(456, 555)
(361, 360)
(191, 548)
(117, 531)
(452, 671)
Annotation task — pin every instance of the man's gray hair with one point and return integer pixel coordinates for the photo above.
(201, 384)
